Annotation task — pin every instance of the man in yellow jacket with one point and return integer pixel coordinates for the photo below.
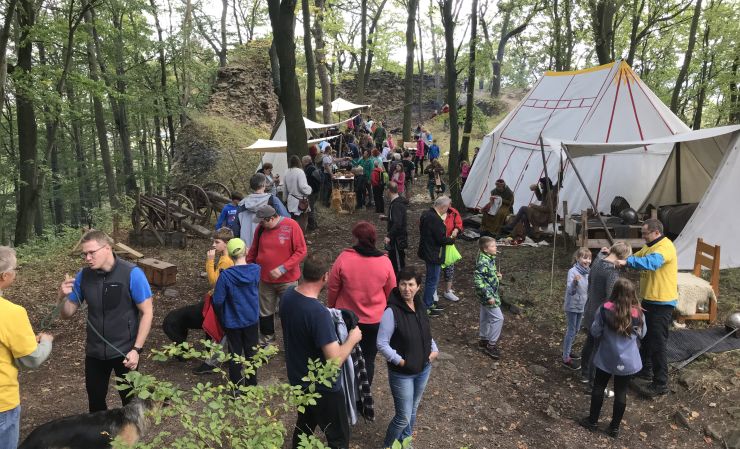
(658, 265)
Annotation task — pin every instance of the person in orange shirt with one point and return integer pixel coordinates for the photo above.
(178, 322)
(19, 347)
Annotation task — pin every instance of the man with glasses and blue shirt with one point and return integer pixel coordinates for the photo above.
(119, 316)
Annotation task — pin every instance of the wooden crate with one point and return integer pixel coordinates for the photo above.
(158, 273)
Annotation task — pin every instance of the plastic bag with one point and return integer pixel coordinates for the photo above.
(452, 255)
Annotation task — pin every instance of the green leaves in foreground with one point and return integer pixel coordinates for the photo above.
(222, 414)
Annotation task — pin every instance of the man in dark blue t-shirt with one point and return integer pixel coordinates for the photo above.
(309, 333)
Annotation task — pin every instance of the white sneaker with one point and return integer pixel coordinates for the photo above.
(450, 296)
(609, 393)
(436, 297)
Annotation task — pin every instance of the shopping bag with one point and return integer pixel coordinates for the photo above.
(452, 255)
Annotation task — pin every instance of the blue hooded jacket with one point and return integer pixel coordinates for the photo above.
(236, 296)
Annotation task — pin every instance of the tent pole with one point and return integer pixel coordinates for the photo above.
(678, 172)
(554, 217)
(593, 204)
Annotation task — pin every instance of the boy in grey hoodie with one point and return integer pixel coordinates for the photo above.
(244, 225)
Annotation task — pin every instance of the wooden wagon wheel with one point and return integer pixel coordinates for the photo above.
(201, 203)
(219, 188)
(184, 205)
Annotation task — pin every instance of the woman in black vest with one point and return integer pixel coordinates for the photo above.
(405, 340)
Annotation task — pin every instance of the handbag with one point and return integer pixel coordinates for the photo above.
(302, 203)
(452, 256)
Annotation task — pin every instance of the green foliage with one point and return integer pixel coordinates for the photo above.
(224, 415)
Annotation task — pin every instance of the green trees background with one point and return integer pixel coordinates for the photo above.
(94, 92)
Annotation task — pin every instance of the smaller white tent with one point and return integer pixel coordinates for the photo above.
(342, 105)
(703, 168)
(274, 148)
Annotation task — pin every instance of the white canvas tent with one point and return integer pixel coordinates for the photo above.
(274, 149)
(703, 168)
(608, 103)
(342, 105)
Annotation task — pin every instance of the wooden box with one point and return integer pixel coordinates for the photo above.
(158, 273)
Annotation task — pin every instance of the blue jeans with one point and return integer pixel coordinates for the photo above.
(10, 428)
(407, 390)
(430, 283)
(574, 323)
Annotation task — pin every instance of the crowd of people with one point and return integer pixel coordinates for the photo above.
(260, 266)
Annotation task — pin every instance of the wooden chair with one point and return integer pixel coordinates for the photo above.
(707, 256)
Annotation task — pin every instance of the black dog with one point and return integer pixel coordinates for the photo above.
(93, 430)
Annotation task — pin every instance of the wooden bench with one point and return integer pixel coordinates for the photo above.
(707, 256)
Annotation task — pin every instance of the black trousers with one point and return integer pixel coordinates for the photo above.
(653, 349)
(587, 357)
(242, 342)
(97, 377)
(601, 379)
(398, 258)
(313, 223)
(378, 197)
(178, 322)
(330, 414)
(369, 347)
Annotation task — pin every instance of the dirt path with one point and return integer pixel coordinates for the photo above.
(527, 400)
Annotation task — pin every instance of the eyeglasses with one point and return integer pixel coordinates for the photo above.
(84, 254)
(267, 219)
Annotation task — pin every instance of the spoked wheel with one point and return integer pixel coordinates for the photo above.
(200, 202)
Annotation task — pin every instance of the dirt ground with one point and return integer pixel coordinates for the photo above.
(525, 400)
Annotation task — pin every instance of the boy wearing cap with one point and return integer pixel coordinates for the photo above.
(236, 301)
(278, 247)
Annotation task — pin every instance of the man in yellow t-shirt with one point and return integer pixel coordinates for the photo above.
(658, 265)
(178, 322)
(19, 346)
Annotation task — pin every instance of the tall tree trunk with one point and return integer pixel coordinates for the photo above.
(408, 84)
(370, 40)
(4, 36)
(187, 30)
(602, 26)
(470, 103)
(224, 43)
(159, 156)
(705, 76)
(421, 66)
(683, 73)
(435, 64)
(236, 23)
(310, 66)
(282, 19)
(120, 112)
(453, 163)
(318, 34)
(28, 160)
(81, 169)
(363, 52)
(163, 79)
(734, 116)
(100, 126)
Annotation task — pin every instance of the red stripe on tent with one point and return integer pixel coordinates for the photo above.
(601, 177)
(542, 173)
(639, 84)
(521, 173)
(561, 97)
(500, 175)
(596, 104)
(614, 106)
(634, 110)
(534, 144)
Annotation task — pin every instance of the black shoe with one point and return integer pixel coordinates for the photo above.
(575, 356)
(492, 351)
(437, 307)
(572, 364)
(482, 344)
(432, 312)
(653, 390)
(613, 432)
(204, 368)
(645, 375)
(588, 424)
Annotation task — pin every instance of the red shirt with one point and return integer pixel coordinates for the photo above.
(419, 148)
(282, 245)
(453, 220)
(361, 284)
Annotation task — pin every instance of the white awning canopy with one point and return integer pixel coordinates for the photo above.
(279, 146)
(341, 105)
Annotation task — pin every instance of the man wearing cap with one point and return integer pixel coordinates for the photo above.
(278, 247)
(119, 315)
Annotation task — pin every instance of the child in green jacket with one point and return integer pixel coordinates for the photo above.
(486, 281)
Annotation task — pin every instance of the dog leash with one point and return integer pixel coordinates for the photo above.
(54, 314)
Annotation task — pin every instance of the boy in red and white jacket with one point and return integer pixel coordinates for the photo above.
(278, 248)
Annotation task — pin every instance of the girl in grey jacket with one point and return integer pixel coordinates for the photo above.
(617, 324)
(576, 294)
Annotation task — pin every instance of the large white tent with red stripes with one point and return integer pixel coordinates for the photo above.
(608, 104)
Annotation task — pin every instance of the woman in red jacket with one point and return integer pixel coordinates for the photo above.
(454, 225)
(360, 280)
